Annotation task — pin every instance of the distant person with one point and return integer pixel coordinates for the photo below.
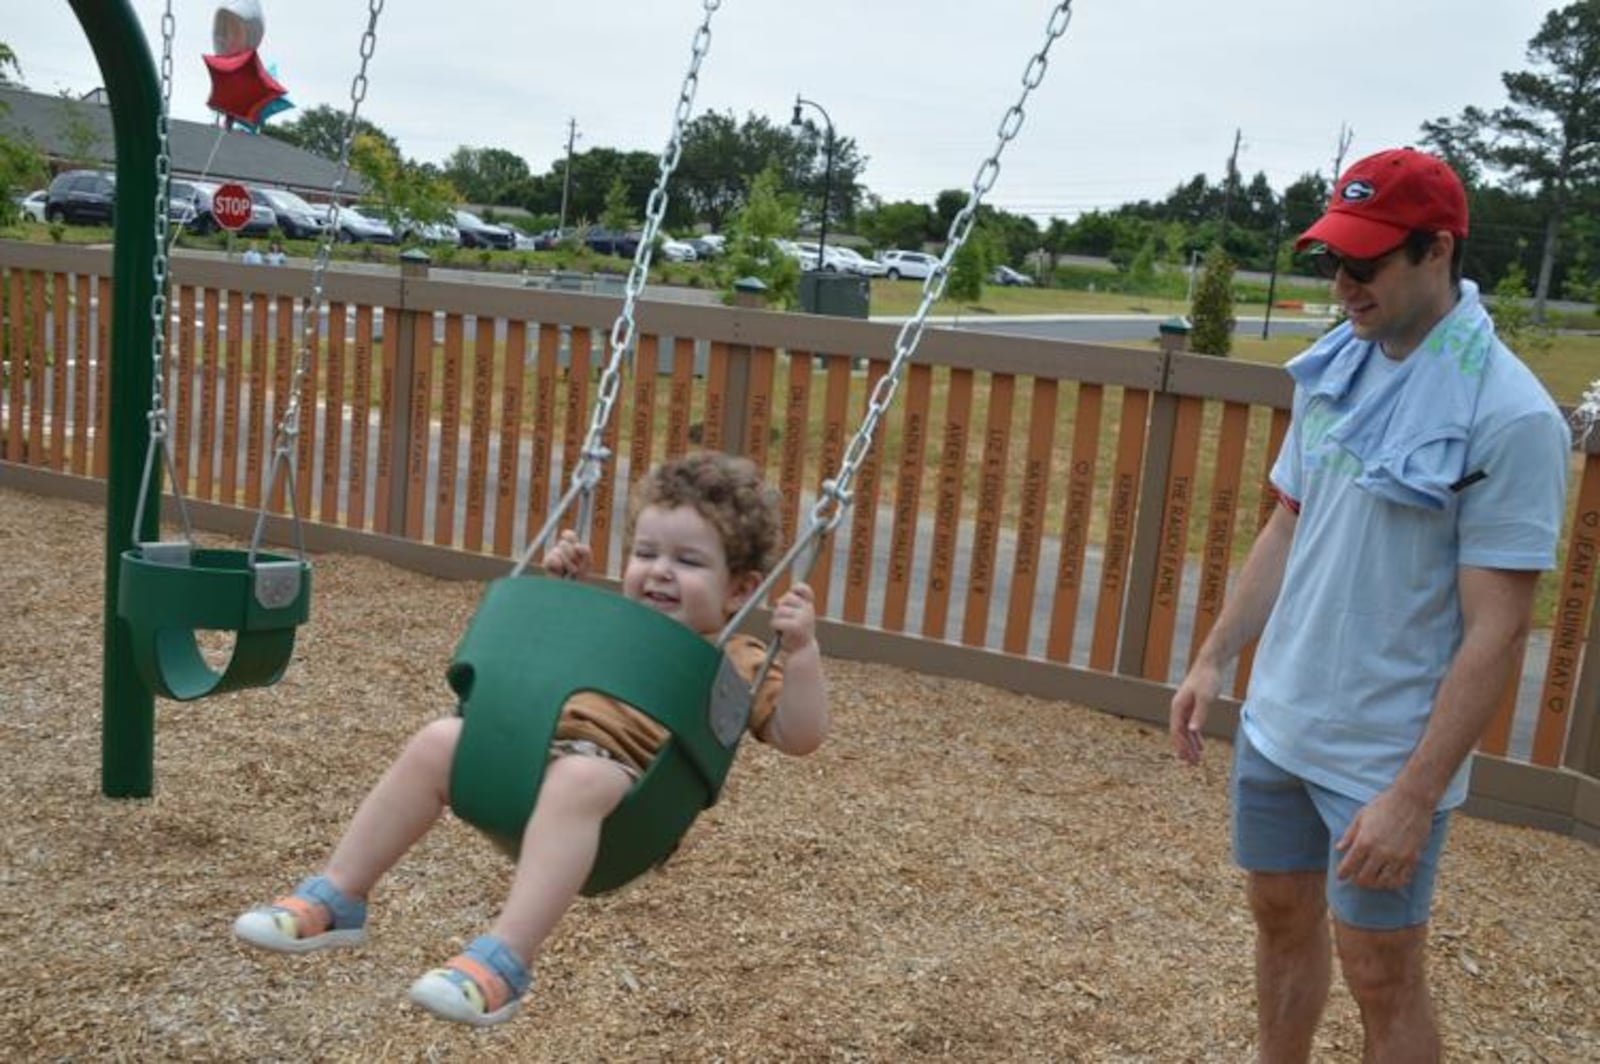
(1420, 491)
(275, 256)
(251, 256)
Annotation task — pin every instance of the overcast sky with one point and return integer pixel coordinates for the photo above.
(1140, 95)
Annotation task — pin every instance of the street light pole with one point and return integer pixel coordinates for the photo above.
(827, 174)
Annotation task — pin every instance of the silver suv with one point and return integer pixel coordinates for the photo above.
(913, 264)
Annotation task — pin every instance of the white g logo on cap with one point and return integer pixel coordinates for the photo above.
(1356, 191)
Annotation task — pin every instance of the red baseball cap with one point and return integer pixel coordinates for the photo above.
(1385, 196)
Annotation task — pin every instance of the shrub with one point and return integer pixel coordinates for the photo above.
(1211, 316)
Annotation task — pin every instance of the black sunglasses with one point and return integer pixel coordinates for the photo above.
(1328, 263)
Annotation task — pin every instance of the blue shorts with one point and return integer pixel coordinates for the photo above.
(1283, 823)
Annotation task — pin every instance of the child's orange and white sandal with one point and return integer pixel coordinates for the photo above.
(481, 986)
(318, 915)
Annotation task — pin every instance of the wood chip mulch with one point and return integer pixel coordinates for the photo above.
(961, 873)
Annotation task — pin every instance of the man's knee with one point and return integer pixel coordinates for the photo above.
(1382, 966)
(1288, 903)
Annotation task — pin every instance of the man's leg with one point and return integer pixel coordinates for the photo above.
(1387, 972)
(1293, 961)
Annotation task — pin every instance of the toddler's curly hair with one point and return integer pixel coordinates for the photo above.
(729, 492)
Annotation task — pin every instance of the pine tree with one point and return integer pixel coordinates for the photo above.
(1211, 316)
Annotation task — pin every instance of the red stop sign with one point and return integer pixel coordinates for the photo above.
(231, 206)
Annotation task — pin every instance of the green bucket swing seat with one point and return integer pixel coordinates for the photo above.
(168, 592)
(533, 643)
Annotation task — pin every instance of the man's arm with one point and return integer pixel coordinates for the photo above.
(1383, 842)
(1243, 617)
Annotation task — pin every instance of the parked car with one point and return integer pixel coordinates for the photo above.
(523, 240)
(297, 219)
(677, 250)
(852, 261)
(612, 242)
(1005, 275)
(709, 245)
(358, 226)
(82, 197)
(32, 205)
(414, 231)
(807, 260)
(477, 233)
(196, 216)
(915, 265)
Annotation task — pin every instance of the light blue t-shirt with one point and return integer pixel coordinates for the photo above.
(1369, 615)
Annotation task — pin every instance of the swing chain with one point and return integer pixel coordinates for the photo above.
(288, 431)
(835, 497)
(594, 453)
(158, 416)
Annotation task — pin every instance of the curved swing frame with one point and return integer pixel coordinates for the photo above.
(511, 697)
(169, 591)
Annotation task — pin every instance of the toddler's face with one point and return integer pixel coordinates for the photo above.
(677, 565)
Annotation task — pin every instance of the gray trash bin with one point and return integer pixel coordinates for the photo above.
(841, 295)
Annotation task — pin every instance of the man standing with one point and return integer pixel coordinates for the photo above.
(1420, 492)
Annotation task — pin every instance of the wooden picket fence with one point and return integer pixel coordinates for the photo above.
(1058, 518)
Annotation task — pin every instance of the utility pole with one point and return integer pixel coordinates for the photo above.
(1227, 189)
(566, 176)
(1346, 135)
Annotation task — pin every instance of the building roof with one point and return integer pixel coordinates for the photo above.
(76, 132)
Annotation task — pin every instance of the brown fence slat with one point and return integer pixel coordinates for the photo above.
(36, 448)
(444, 483)
(389, 388)
(307, 346)
(681, 400)
(505, 482)
(360, 418)
(763, 367)
(835, 415)
(82, 352)
(102, 378)
(1035, 491)
(1173, 549)
(232, 399)
(989, 510)
(907, 495)
(796, 440)
(947, 504)
(1574, 599)
(605, 491)
(284, 351)
(1076, 513)
(575, 420)
(59, 432)
(16, 364)
(478, 451)
(642, 419)
(864, 515)
(1120, 516)
(715, 411)
(544, 428)
(183, 417)
(210, 345)
(1217, 558)
(1267, 503)
(420, 418)
(333, 413)
(260, 333)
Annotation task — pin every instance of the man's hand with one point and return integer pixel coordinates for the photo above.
(795, 618)
(567, 557)
(1383, 843)
(1190, 706)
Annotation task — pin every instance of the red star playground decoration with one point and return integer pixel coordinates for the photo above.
(241, 88)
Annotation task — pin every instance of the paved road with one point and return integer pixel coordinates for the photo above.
(1119, 328)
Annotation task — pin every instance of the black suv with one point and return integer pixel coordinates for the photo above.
(83, 197)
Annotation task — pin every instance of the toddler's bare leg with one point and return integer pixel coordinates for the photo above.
(399, 810)
(558, 848)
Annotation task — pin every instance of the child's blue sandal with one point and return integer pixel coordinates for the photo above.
(318, 915)
(481, 986)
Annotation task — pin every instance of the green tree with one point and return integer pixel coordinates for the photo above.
(404, 193)
(902, 224)
(8, 58)
(1211, 317)
(970, 266)
(320, 130)
(488, 175)
(618, 214)
(79, 133)
(766, 217)
(1513, 320)
(1548, 135)
(22, 168)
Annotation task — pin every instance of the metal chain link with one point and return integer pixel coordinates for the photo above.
(594, 454)
(160, 422)
(835, 498)
(288, 430)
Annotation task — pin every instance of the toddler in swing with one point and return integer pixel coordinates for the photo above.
(703, 531)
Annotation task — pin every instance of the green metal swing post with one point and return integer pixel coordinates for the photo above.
(127, 724)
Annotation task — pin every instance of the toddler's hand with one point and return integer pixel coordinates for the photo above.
(795, 618)
(567, 557)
